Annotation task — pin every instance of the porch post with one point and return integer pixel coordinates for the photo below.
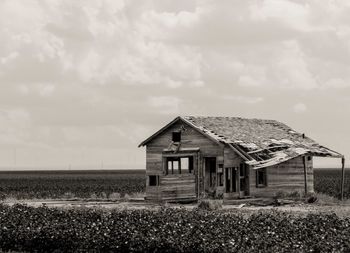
(305, 174)
(342, 178)
(198, 176)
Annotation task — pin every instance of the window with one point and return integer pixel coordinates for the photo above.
(220, 175)
(176, 136)
(309, 158)
(179, 165)
(261, 178)
(153, 180)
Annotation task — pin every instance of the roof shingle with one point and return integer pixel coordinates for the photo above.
(267, 142)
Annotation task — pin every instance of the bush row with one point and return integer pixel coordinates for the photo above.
(44, 229)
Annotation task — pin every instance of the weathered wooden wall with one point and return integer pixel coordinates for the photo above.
(171, 186)
(287, 177)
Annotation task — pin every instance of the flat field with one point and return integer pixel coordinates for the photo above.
(328, 181)
(70, 184)
(101, 184)
(142, 228)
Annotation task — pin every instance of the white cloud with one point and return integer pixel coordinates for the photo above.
(11, 56)
(296, 16)
(249, 81)
(244, 99)
(75, 65)
(46, 90)
(299, 108)
(336, 83)
(165, 104)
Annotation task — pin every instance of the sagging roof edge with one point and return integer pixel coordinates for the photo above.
(270, 162)
(173, 122)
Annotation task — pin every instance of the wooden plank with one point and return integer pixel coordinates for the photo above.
(305, 174)
(287, 177)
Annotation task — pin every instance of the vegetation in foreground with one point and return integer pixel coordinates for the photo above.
(43, 229)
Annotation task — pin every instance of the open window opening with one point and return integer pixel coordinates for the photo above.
(177, 136)
(153, 180)
(261, 180)
(179, 165)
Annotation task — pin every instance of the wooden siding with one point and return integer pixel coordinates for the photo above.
(286, 178)
(179, 187)
(231, 159)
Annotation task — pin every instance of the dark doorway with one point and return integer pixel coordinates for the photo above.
(231, 179)
(210, 172)
(243, 180)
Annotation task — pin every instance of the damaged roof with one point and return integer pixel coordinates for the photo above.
(263, 142)
(260, 142)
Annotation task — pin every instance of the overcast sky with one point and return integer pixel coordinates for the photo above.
(84, 82)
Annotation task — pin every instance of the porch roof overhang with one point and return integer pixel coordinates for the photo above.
(272, 158)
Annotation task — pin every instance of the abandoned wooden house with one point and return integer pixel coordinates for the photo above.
(229, 157)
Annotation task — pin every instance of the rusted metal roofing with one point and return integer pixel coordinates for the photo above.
(261, 142)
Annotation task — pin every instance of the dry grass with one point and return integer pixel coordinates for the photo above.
(210, 204)
(324, 199)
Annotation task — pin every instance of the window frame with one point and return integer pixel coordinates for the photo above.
(191, 164)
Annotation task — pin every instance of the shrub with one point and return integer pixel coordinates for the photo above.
(210, 204)
(68, 195)
(294, 195)
(114, 196)
(28, 229)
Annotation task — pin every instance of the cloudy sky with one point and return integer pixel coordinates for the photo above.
(84, 82)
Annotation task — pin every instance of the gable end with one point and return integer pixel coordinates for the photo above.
(177, 119)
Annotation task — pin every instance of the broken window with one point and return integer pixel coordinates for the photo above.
(176, 136)
(153, 180)
(179, 165)
(261, 177)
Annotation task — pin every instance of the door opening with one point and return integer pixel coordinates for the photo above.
(210, 172)
(231, 179)
(243, 180)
